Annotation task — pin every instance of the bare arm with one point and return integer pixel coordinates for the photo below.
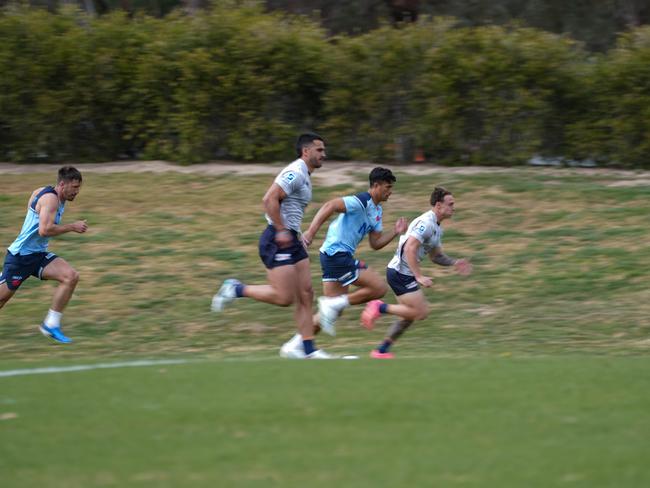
(411, 257)
(379, 240)
(46, 208)
(271, 203)
(324, 213)
(463, 266)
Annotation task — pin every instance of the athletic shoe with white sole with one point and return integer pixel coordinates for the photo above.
(54, 333)
(320, 354)
(327, 315)
(225, 295)
(293, 348)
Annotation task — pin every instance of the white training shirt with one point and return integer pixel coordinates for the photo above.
(425, 229)
(296, 183)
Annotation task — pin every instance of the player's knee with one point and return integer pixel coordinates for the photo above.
(306, 294)
(71, 277)
(284, 300)
(422, 313)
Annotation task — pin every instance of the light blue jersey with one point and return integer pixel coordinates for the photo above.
(29, 241)
(361, 217)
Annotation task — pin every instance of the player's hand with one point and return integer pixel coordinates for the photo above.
(283, 238)
(463, 267)
(401, 225)
(307, 239)
(80, 226)
(424, 281)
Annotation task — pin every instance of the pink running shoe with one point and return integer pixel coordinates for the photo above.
(381, 355)
(371, 313)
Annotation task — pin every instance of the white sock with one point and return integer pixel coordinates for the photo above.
(53, 319)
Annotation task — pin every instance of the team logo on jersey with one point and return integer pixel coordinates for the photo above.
(289, 176)
(420, 228)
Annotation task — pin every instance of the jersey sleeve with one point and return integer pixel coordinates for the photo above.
(352, 204)
(289, 180)
(421, 231)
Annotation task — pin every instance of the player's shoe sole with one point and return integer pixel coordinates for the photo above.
(375, 354)
(55, 334)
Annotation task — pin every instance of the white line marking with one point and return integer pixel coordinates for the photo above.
(86, 367)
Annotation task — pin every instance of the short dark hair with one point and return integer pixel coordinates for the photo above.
(305, 140)
(380, 175)
(438, 195)
(68, 173)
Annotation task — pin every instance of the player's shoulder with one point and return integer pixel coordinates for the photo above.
(47, 195)
(362, 198)
(291, 174)
(423, 224)
(296, 169)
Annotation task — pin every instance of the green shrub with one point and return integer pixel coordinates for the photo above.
(616, 128)
(237, 82)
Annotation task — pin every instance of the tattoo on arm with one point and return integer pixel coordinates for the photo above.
(443, 260)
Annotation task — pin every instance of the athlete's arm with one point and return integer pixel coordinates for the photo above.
(378, 240)
(410, 252)
(463, 266)
(271, 203)
(324, 213)
(46, 208)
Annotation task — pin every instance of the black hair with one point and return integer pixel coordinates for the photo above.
(68, 173)
(305, 140)
(381, 175)
(438, 195)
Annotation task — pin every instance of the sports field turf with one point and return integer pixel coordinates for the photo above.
(531, 372)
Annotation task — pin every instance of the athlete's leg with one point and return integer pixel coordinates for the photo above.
(411, 306)
(58, 269)
(280, 289)
(370, 286)
(304, 300)
(5, 294)
(67, 276)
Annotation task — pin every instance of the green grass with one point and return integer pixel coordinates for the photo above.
(497, 422)
(530, 372)
(553, 252)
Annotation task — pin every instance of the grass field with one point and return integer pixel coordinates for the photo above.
(531, 372)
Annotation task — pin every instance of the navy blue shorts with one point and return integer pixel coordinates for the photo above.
(18, 268)
(341, 267)
(401, 283)
(273, 256)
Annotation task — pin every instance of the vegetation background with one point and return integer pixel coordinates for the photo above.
(238, 79)
(533, 371)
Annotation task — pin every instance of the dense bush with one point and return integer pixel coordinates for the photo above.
(616, 126)
(240, 83)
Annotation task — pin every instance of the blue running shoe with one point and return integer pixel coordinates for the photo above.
(55, 333)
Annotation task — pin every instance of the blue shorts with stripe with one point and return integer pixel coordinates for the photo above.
(273, 256)
(341, 267)
(401, 283)
(17, 267)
